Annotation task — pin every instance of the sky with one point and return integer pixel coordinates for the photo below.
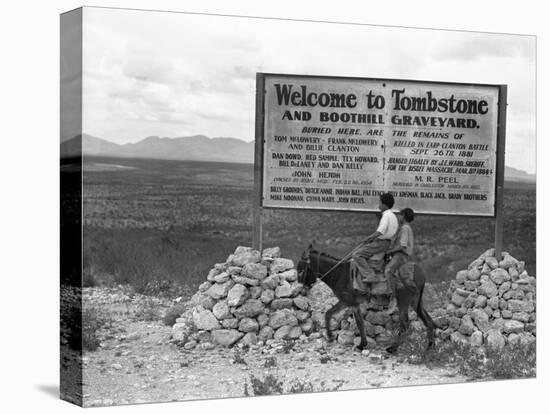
(176, 74)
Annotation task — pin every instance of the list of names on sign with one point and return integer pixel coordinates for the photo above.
(338, 143)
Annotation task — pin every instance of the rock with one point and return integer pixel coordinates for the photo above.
(248, 325)
(514, 274)
(249, 339)
(485, 270)
(506, 314)
(520, 266)
(318, 319)
(459, 338)
(190, 345)
(254, 271)
(221, 310)
(346, 337)
(222, 277)
(498, 276)
(283, 291)
(267, 296)
(513, 326)
(470, 300)
(301, 302)
(295, 289)
(206, 346)
(282, 317)
(307, 326)
(270, 282)
(282, 332)
(118, 367)
(219, 290)
(295, 332)
(207, 302)
(481, 320)
(481, 301)
(466, 326)
(280, 265)
(230, 323)
(471, 285)
(289, 275)
(494, 302)
(497, 324)
(462, 292)
(496, 314)
(513, 294)
(234, 270)
(204, 286)
(255, 292)
(226, 337)
(243, 280)
(454, 323)
(475, 264)
(526, 339)
(244, 258)
(250, 309)
(476, 339)
(378, 318)
(507, 262)
(281, 303)
(503, 288)
(457, 299)
(237, 295)
(513, 339)
(265, 333)
(263, 320)
(521, 316)
(180, 332)
(495, 339)
(205, 319)
(462, 276)
(502, 304)
(515, 305)
(491, 262)
(474, 274)
(488, 289)
(211, 274)
(272, 252)
(531, 327)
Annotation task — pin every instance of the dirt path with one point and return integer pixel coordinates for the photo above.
(137, 363)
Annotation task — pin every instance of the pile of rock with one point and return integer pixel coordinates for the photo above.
(251, 298)
(492, 302)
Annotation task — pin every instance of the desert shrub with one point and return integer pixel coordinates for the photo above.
(270, 362)
(147, 311)
(300, 386)
(238, 357)
(513, 361)
(271, 384)
(93, 320)
(268, 385)
(173, 313)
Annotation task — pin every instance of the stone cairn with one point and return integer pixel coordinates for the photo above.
(251, 298)
(491, 303)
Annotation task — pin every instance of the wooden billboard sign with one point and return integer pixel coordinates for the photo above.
(333, 143)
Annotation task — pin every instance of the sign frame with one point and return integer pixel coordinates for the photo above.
(259, 149)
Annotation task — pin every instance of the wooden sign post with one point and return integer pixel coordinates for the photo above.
(258, 164)
(499, 199)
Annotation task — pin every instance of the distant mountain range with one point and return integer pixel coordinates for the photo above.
(196, 147)
(193, 148)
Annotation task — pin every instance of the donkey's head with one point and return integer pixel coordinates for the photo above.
(306, 276)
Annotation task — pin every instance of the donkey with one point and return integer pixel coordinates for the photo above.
(314, 266)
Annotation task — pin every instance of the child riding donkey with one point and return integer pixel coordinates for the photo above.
(389, 239)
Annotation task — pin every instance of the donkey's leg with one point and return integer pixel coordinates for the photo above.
(339, 306)
(426, 319)
(404, 299)
(361, 326)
